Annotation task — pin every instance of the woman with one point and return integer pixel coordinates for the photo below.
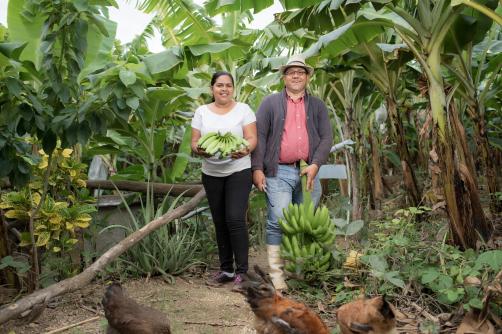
(228, 181)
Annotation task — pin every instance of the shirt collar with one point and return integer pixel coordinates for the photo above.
(298, 100)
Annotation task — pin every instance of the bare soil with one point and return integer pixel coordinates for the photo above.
(192, 306)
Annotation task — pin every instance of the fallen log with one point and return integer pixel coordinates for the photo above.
(36, 301)
(188, 190)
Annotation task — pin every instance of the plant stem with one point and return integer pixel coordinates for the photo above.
(33, 215)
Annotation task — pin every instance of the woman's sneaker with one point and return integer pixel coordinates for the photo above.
(238, 283)
(221, 277)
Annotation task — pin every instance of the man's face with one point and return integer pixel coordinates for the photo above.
(295, 78)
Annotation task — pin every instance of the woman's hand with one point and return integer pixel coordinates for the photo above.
(194, 144)
(239, 154)
(200, 151)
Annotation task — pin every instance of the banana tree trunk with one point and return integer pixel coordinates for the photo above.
(423, 136)
(409, 179)
(460, 190)
(486, 156)
(469, 174)
(378, 191)
(462, 149)
(353, 165)
(364, 165)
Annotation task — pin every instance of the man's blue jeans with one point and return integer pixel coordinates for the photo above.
(282, 189)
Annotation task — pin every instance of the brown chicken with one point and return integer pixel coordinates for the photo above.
(275, 314)
(369, 316)
(125, 316)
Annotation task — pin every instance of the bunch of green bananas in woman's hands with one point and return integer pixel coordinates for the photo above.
(223, 145)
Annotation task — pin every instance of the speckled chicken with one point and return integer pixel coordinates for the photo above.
(368, 316)
(126, 316)
(275, 314)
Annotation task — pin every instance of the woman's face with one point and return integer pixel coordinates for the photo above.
(223, 90)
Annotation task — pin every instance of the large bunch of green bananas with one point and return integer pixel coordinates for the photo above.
(308, 237)
(306, 258)
(314, 224)
(214, 143)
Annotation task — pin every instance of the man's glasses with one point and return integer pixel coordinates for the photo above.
(295, 73)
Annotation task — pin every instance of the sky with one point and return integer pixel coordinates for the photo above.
(131, 22)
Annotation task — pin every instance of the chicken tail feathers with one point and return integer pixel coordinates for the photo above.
(386, 309)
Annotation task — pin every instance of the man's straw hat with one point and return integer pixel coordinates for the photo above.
(296, 61)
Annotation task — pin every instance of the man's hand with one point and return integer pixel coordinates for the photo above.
(311, 172)
(259, 180)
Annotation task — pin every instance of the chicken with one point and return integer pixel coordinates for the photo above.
(125, 316)
(369, 316)
(275, 314)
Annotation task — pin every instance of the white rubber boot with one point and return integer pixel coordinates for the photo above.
(276, 265)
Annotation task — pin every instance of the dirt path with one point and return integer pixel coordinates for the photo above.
(192, 306)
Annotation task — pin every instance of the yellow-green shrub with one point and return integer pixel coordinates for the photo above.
(64, 210)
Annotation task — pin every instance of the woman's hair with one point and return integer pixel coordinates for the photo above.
(219, 74)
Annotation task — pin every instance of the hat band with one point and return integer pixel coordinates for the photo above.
(296, 63)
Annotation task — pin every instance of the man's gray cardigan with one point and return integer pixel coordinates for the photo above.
(270, 119)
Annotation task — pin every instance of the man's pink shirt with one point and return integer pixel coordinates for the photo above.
(295, 139)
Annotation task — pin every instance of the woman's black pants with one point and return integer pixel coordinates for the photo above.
(228, 200)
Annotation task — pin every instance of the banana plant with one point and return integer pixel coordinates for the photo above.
(181, 21)
(347, 90)
(384, 64)
(430, 24)
(217, 7)
(154, 128)
(474, 71)
(481, 8)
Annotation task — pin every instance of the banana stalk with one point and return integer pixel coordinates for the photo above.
(307, 196)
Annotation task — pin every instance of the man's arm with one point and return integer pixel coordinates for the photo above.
(321, 152)
(325, 131)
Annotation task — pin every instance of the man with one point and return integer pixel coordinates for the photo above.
(292, 126)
